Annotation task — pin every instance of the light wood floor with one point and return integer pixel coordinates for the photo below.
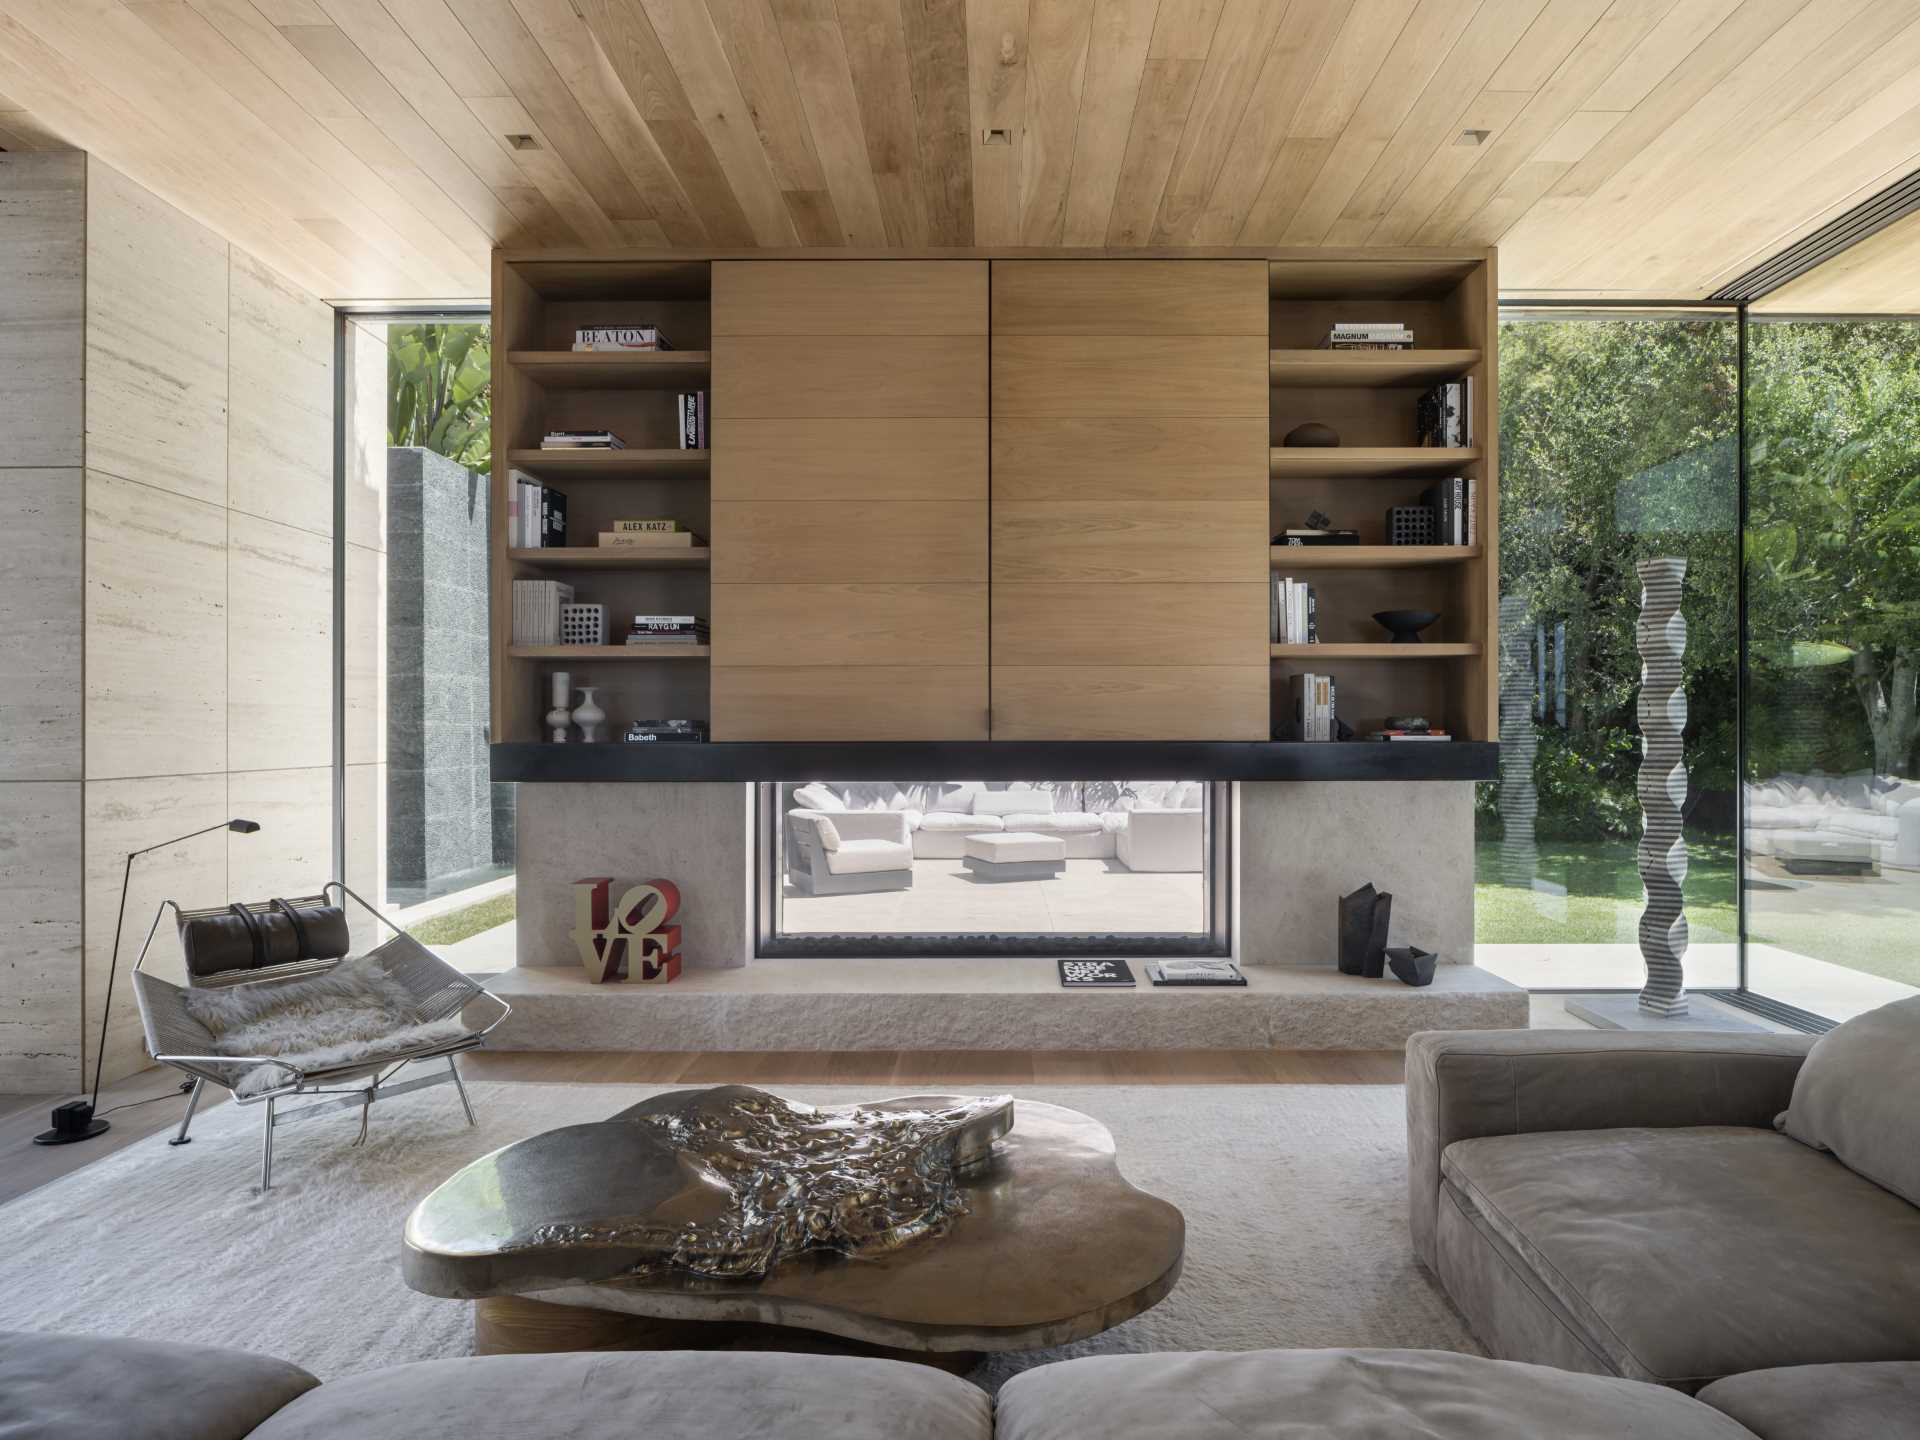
(25, 1166)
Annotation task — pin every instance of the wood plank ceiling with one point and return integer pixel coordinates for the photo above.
(379, 148)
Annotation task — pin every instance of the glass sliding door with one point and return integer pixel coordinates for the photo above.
(1618, 443)
(1831, 844)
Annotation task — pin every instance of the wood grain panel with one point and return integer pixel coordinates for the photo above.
(1203, 623)
(1130, 702)
(1119, 543)
(860, 460)
(908, 540)
(851, 297)
(885, 376)
(1130, 459)
(876, 702)
(850, 624)
(1130, 297)
(1096, 376)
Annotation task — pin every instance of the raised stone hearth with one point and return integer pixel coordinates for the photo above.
(988, 1004)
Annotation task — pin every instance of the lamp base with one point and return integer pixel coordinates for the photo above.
(72, 1122)
(72, 1137)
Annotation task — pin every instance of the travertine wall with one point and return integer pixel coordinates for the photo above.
(166, 607)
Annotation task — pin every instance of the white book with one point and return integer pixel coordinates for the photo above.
(1473, 511)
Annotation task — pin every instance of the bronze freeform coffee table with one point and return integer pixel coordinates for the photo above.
(932, 1227)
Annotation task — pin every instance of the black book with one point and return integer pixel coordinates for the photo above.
(553, 516)
(1095, 975)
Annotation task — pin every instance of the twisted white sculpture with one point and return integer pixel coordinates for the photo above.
(1662, 640)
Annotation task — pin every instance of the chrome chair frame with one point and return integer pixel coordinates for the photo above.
(438, 991)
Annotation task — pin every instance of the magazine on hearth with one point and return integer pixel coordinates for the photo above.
(1195, 972)
(1095, 974)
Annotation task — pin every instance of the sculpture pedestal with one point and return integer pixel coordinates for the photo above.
(1624, 1012)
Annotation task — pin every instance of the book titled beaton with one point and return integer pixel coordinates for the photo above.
(1096, 975)
(621, 337)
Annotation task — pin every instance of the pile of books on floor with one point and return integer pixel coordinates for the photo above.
(1418, 731)
(536, 611)
(668, 630)
(653, 533)
(1445, 414)
(1312, 707)
(666, 732)
(620, 337)
(581, 440)
(536, 514)
(1369, 335)
(1294, 612)
(1453, 502)
(693, 419)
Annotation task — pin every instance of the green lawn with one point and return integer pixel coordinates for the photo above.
(466, 922)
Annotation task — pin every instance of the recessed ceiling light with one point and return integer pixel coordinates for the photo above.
(523, 142)
(996, 137)
(1473, 137)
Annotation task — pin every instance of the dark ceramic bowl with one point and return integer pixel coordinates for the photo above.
(1406, 625)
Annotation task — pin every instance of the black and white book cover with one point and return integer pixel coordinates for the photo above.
(1095, 975)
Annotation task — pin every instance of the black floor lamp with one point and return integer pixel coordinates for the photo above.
(75, 1119)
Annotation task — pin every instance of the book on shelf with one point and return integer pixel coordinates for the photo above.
(1368, 335)
(1452, 501)
(648, 540)
(536, 514)
(581, 440)
(536, 610)
(620, 337)
(693, 419)
(643, 527)
(1195, 972)
(668, 630)
(1312, 707)
(1095, 975)
(1443, 417)
(1295, 612)
(1408, 735)
(669, 732)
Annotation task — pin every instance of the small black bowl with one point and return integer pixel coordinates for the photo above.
(1406, 625)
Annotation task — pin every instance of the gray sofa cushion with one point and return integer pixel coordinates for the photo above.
(659, 1395)
(84, 1387)
(1857, 1093)
(1353, 1394)
(1824, 1402)
(1690, 1254)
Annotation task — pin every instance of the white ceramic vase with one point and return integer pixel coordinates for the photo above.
(559, 717)
(588, 715)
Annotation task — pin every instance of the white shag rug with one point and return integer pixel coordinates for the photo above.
(1294, 1195)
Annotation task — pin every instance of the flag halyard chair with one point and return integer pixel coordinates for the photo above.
(271, 944)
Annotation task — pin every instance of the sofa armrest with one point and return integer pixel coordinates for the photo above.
(1462, 1084)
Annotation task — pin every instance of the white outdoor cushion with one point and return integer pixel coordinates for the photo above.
(1865, 825)
(816, 796)
(861, 857)
(1047, 823)
(955, 802)
(960, 824)
(828, 832)
(1013, 802)
(1016, 845)
(1889, 801)
(1783, 817)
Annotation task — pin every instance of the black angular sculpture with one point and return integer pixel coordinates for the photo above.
(1364, 916)
(1411, 965)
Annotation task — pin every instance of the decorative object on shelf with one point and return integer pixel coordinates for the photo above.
(1364, 918)
(588, 715)
(1411, 965)
(634, 940)
(1410, 525)
(1662, 640)
(75, 1119)
(1195, 972)
(583, 624)
(536, 610)
(560, 717)
(1096, 975)
(1405, 625)
(653, 732)
(1312, 435)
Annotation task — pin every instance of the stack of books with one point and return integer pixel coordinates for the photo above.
(667, 630)
(620, 337)
(648, 534)
(1408, 735)
(536, 514)
(1369, 335)
(1445, 414)
(667, 732)
(693, 419)
(1312, 708)
(1295, 612)
(1454, 502)
(581, 440)
(536, 611)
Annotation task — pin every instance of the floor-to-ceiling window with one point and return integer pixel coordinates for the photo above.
(428, 836)
(1618, 443)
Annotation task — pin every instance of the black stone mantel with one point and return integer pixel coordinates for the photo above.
(996, 760)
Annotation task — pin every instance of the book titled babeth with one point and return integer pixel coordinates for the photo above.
(1095, 974)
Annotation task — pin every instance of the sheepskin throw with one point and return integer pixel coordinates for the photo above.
(352, 1013)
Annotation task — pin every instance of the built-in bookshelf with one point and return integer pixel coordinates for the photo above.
(541, 383)
(1370, 397)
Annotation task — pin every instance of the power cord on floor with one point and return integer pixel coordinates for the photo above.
(184, 1087)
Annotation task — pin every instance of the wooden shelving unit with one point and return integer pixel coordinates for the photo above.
(1370, 557)
(1368, 367)
(1385, 462)
(600, 557)
(613, 370)
(559, 465)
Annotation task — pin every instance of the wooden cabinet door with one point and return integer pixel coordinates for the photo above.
(850, 455)
(1129, 532)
